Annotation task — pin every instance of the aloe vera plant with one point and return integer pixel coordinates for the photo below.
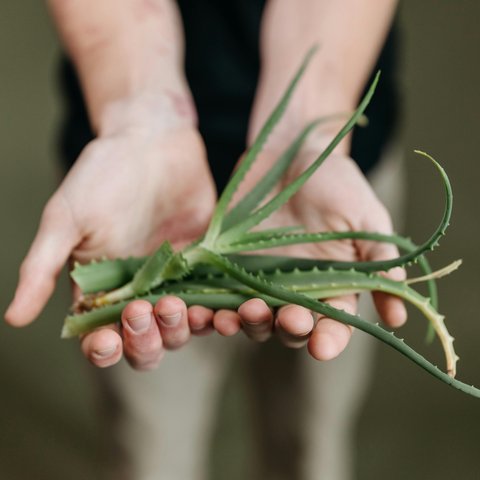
(214, 272)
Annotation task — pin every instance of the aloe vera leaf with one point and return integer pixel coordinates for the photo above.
(265, 185)
(443, 272)
(223, 291)
(263, 212)
(105, 274)
(269, 263)
(224, 200)
(378, 332)
(264, 239)
(270, 233)
(254, 241)
(228, 241)
(162, 265)
(430, 244)
(109, 274)
(228, 238)
(330, 283)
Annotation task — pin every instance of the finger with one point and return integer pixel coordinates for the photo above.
(142, 342)
(55, 239)
(200, 320)
(172, 318)
(391, 309)
(103, 347)
(226, 322)
(293, 325)
(256, 319)
(330, 337)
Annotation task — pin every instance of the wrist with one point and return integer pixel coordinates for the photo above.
(123, 51)
(138, 90)
(147, 111)
(336, 76)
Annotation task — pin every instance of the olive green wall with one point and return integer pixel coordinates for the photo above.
(413, 426)
(45, 399)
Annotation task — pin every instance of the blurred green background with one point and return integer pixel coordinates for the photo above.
(412, 426)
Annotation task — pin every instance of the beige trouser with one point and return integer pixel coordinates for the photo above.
(306, 410)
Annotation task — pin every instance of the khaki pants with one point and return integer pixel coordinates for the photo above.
(306, 410)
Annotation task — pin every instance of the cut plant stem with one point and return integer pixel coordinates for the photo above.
(164, 264)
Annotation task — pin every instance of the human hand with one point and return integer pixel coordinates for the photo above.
(336, 198)
(139, 183)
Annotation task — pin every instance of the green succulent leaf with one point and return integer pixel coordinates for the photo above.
(163, 264)
(105, 274)
(265, 211)
(265, 185)
(267, 288)
(252, 153)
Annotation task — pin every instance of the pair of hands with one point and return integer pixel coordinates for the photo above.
(135, 186)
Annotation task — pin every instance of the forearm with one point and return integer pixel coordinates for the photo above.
(349, 34)
(125, 50)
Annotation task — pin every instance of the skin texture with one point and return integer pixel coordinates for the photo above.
(145, 178)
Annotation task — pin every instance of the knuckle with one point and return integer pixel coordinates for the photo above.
(258, 330)
(383, 218)
(150, 348)
(146, 365)
(97, 147)
(177, 339)
(143, 347)
(53, 210)
(292, 341)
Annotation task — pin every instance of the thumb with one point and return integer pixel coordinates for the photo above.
(56, 237)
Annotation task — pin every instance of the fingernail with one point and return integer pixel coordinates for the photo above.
(104, 352)
(170, 320)
(141, 323)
